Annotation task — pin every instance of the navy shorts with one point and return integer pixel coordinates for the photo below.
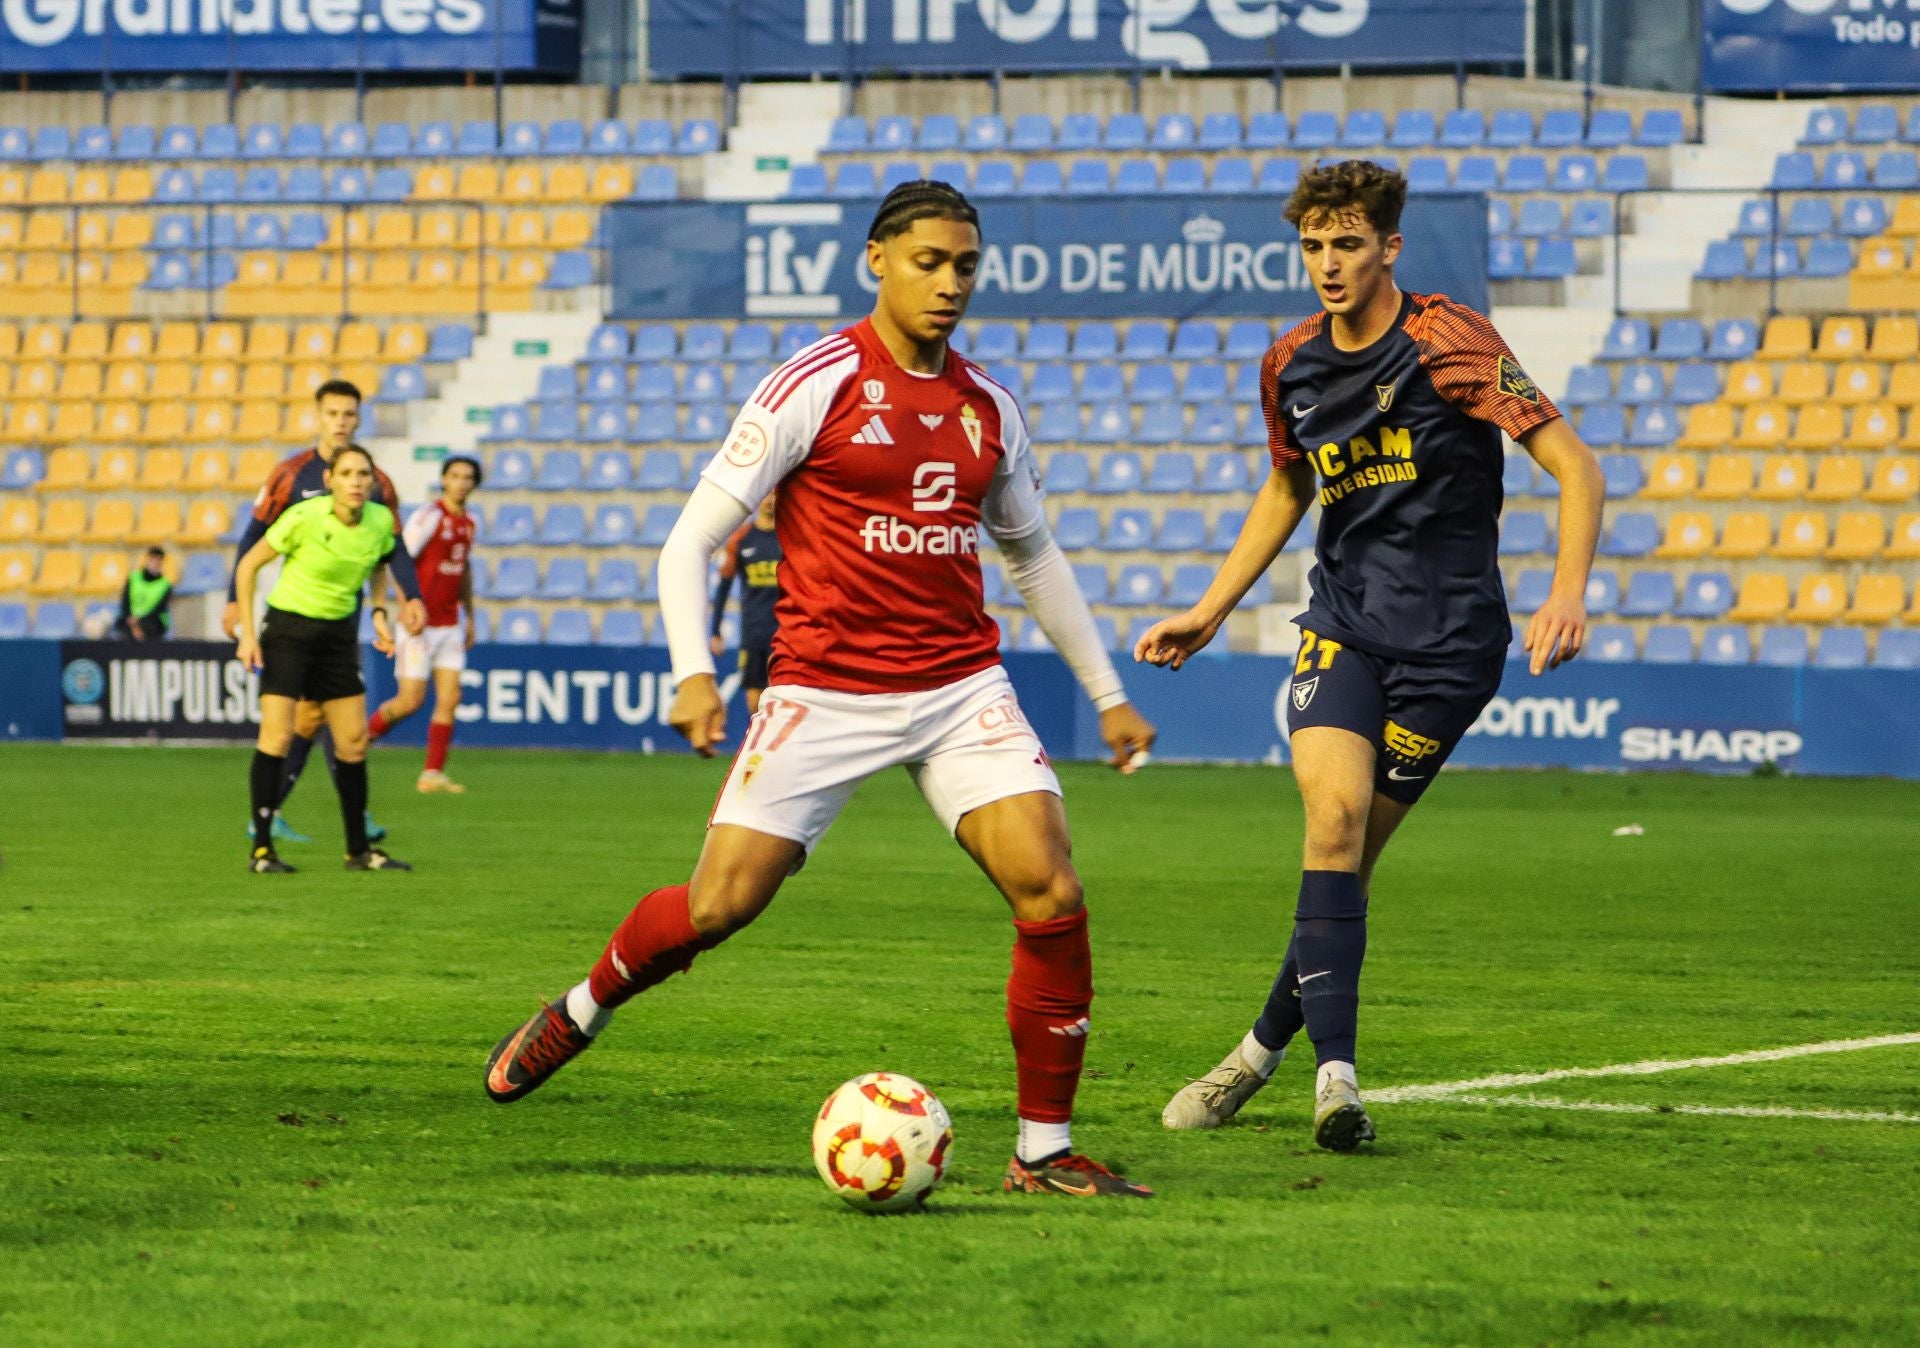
(1413, 715)
(753, 664)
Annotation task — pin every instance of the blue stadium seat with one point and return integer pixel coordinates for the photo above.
(1031, 132)
(450, 342)
(1266, 131)
(1844, 170)
(514, 578)
(1038, 177)
(706, 422)
(896, 133)
(1641, 382)
(1810, 215)
(1622, 474)
(1499, 217)
(1828, 257)
(1825, 126)
(402, 383)
(653, 137)
(1603, 424)
(1185, 176)
(1220, 131)
(1553, 259)
(1559, 129)
(345, 184)
(261, 141)
(1587, 384)
(1661, 127)
(22, 468)
(1181, 530)
(1695, 381)
(1725, 645)
(304, 183)
(567, 136)
(262, 185)
(1840, 648)
(1793, 172)
(523, 139)
(1633, 533)
(1118, 473)
(697, 135)
(1756, 220)
(15, 145)
(1413, 129)
(616, 579)
(609, 136)
(1134, 177)
(1603, 592)
(1897, 169)
(1137, 586)
(848, 135)
(1875, 124)
(1516, 475)
(518, 627)
(623, 627)
(1512, 128)
(1863, 217)
(1247, 339)
(1174, 131)
(1590, 218)
(1627, 339)
(1226, 528)
(656, 524)
(204, 573)
(1650, 594)
(1224, 473)
(1278, 177)
(556, 422)
(1897, 648)
(1733, 339)
(1426, 173)
(854, 179)
(1366, 129)
(988, 131)
(602, 380)
(1524, 173)
(938, 131)
(346, 140)
(602, 423)
(1161, 423)
(660, 470)
(1477, 173)
(138, 142)
(1088, 177)
(896, 175)
(1506, 259)
(1576, 173)
(1152, 382)
(1524, 532)
(1091, 577)
(563, 525)
(951, 171)
(1077, 528)
(1531, 590)
(996, 178)
(1783, 646)
(53, 142)
(1463, 129)
(794, 337)
(218, 186)
(1609, 643)
(1316, 131)
(1782, 259)
(1708, 594)
(1668, 645)
(654, 341)
(1125, 131)
(55, 622)
(1626, 173)
(1609, 128)
(392, 140)
(1172, 473)
(569, 627)
(511, 469)
(566, 577)
(1539, 218)
(1680, 339)
(1127, 531)
(304, 140)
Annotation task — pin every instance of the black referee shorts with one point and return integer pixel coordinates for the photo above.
(1413, 715)
(310, 659)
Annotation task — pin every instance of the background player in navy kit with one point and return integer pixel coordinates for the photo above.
(1395, 402)
(753, 558)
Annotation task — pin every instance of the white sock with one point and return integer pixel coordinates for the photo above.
(1259, 1057)
(1329, 1070)
(1041, 1140)
(583, 1011)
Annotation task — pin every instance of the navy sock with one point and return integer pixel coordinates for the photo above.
(1330, 944)
(263, 785)
(1280, 1020)
(350, 780)
(296, 761)
(325, 740)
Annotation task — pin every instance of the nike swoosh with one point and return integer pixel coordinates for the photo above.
(1059, 1187)
(1308, 978)
(1300, 413)
(497, 1078)
(1395, 775)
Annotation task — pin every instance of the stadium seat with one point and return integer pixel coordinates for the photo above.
(1783, 646)
(1668, 645)
(1688, 534)
(615, 580)
(1707, 594)
(1897, 649)
(1726, 645)
(1610, 643)
(1649, 594)
(518, 627)
(1524, 532)
(1763, 597)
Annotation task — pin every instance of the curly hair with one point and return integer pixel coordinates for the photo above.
(1378, 193)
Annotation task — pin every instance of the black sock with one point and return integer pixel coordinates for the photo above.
(1280, 1020)
(263, 783)
(350, 780)
(1330, 944)
(295, 763)
(325, 740)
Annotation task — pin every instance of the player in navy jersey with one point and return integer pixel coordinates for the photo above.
(753, 559)
(1388, 410)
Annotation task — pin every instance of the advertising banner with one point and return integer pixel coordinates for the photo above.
(39, 36)
(161, 690)
(1064, 257)
(755, 38)
(1752, 46)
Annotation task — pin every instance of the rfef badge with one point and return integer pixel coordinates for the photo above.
(1516, 382)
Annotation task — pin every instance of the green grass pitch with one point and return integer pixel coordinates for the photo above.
(248, 1110)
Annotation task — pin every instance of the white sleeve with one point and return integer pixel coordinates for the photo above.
(775, 431)
(420, 526)
(710, 515)
(1015, 504)
(1044, 578)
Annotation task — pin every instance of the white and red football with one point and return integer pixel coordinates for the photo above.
(882, 1142)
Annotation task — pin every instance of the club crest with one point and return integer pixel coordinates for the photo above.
(1303, 690)
(1383, 394)
(970, 423)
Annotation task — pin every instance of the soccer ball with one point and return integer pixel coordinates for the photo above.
(881, 1142)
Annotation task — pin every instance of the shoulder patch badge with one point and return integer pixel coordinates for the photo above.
(1515, 381)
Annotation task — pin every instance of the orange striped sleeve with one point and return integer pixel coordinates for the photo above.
(1472, 367)
(1282, 448)
(388, 496)
(276, 493)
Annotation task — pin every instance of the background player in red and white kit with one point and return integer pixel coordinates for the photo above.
(1395, 403)
(891, 454)
(439, 535)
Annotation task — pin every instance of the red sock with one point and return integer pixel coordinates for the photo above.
(439, 740)
(656, 940)
(1048, 994)
(378, 725)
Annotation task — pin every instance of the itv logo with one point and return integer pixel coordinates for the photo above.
(790, 253)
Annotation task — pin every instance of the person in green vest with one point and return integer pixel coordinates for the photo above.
(143, 603)
(308, 649)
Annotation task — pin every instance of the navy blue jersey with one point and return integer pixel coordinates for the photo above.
(1404, 437)
(753, 556)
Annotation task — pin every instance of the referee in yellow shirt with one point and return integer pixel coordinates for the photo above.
(309, 650)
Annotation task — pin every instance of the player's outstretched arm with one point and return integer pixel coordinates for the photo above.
(1278, 507)
(708, 517)
(1558, 629)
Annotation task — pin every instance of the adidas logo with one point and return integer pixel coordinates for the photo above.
(1077, 1030)
(875, 432)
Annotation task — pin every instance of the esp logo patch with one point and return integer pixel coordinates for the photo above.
(1516, 382)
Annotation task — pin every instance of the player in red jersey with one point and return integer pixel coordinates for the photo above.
(891, 454)
(439, 535)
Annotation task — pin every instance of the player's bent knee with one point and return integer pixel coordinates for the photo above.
(274, 743)
(1048, 895)
(350, 749)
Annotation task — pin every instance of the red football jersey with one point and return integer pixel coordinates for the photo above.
(440, 542)
(886, 480)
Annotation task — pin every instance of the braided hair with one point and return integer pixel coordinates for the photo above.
(922, 199)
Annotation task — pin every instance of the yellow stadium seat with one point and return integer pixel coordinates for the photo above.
(48, 187)
(1842, 337)
(1821, 598)
(166, 424)
(162, 470)
(1763, 426)
(1838, 477)
(67, 469)
(393, 229)
(27, 421)
(6, 380)
(1689, 534)
(303, 286)
(112, 522)
(353, 230)
(1803, 535)
(1762, 598)
(224, 341)
(1783, 477)
(210, 423)
(46, 230)
(43, 341)
(207, 470)
(522, 183)
(41, 274)
(19, 519)
(259, 421)
(264, 380)
(435, 271)
(525, 229)
(9, 341)
(610, 182)
(266, 341)
(1670, 477)
(313, 341)
(131, 341)
(60, 573)
(404, 342)
(1906, 217)
(433, 184)
(106, 572)
(304, 380)
(159, 522)
(12, 229)
(1709, 426)
(37, 379)
(170, 379)
(437, 229)
(1910, 438)
(1818, 427)
(206, 521)
(91, 186)
(118, 422)
(72, 422)
(1878, 598)
(520, 270)
(1787, 337)
(567, 184)
(130, 231)
(64, 521)
(93, 230)
(256, 271)
(569, 229)
(1858, 536)
(127, 379)
(13, 187)
(1803, 382)
(132, 187)
(114, 470)
(1896, 480)
(1895, 337)
(1858, 382)
(251, 471)
(177, 341)
(16, 571)
(79, 381)
(1903, 385)
(300, 425)
(1746, 534)
(1875, 427)
(1729, 478)
(357, 341)
(1905, 543)
(478, 182)
(363, 375)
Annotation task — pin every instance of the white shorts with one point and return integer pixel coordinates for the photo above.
(435, 648)
(806, 750)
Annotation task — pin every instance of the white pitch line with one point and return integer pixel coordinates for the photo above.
(1443, 1090)
(1728, 1111)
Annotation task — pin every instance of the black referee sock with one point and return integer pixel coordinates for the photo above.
(263, 782)
(295, 762)
(350, 780)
